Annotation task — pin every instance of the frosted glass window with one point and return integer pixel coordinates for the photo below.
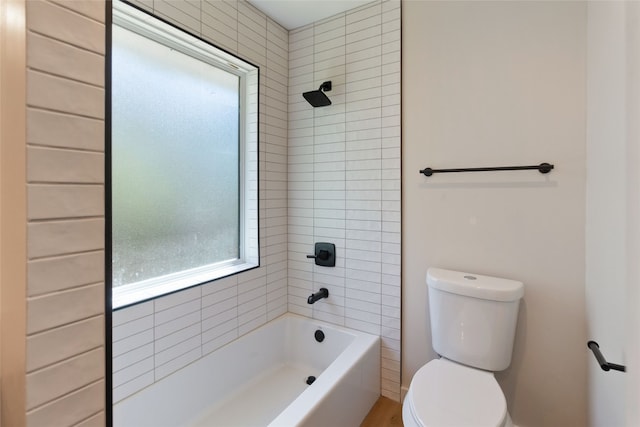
(177, 163)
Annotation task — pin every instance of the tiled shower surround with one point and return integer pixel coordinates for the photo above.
(326, 174)
(344, 174)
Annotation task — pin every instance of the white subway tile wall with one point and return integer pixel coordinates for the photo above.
(154, 339)
(344, 174)
(65, 188)
(328, 174)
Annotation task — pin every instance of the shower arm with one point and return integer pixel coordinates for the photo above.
(325, 86)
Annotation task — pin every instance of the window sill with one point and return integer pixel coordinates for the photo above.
(134, 293)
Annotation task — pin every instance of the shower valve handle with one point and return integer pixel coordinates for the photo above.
(323, 255)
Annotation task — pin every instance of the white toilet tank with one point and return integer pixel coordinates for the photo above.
(473, 317)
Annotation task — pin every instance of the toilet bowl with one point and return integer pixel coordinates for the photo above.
(473, 323)
(446, 394)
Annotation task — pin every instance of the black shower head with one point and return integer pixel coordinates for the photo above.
(317, 98)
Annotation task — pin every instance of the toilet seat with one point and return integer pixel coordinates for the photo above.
(444, 393)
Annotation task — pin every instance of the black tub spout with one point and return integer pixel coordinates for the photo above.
(322, 293)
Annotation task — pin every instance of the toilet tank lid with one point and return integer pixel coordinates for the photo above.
(475, 285)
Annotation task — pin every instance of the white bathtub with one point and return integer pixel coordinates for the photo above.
(259, 380)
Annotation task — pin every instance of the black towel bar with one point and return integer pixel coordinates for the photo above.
(542, 168)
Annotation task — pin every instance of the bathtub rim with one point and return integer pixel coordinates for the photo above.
(338, 369)
(308, 400)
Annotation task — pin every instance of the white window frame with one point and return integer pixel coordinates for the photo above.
(139, 22)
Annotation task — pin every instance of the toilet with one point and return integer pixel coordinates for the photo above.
(473, 324)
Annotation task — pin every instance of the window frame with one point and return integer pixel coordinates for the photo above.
(156, 29)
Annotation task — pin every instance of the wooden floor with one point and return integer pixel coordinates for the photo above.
(385, 413)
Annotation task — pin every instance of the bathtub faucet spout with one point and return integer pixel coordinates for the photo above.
(322, 293)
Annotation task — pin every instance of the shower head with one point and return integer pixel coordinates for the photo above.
(317, 98)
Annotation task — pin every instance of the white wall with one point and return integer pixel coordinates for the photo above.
(612, 239)
(491, 84)
(606, 207)
(633, 212)
(344, 174)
